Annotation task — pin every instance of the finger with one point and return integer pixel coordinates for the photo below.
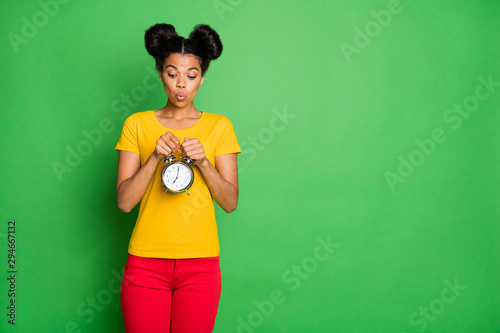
(196, 152)
(162, 148)
(191, 143)
(189, 150)
(165, 146)
(173, 137)
(170, 143)
(197, 157)
(172, 140)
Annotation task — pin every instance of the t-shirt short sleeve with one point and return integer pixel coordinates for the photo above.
(128, 139)
(227, 143)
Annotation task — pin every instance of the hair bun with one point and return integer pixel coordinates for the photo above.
(162, 40)
(157, 36)
(208, 39)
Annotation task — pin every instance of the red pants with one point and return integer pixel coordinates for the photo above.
(170, 295)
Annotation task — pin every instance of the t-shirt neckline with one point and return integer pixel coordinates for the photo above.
(176, 129)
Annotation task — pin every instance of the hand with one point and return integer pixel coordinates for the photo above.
(194, 150)
(167, 144)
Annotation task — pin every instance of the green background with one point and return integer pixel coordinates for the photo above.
(352, 119)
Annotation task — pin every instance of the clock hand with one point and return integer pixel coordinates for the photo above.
(176, 176)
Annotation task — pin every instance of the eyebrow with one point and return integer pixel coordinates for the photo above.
(190, 68)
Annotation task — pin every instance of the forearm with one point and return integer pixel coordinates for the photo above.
(131, 190)
(224, 193)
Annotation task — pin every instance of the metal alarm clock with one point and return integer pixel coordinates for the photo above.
(178, 175)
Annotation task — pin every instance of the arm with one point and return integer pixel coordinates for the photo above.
(133, 180)
(223, 180)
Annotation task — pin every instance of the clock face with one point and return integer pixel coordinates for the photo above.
(177, 177)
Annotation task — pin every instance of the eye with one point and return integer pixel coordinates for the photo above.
(171, 75)
(192, 77)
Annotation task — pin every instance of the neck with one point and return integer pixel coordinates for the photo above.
(187, 111)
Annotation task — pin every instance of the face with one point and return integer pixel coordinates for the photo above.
(181, 78)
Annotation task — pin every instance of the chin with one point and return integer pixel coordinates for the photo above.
(175, 102)
(181, 103)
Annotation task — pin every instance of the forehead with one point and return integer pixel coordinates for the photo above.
(182, 61)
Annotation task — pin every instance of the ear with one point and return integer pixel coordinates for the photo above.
(161, 77)
(202, 79)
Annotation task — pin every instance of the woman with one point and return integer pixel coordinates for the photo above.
(172, 280)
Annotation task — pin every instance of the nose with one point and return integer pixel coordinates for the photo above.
(181, 83)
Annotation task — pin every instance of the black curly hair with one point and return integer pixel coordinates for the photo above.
(161, 40)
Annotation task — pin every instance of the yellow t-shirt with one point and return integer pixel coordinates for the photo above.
(176, 225)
